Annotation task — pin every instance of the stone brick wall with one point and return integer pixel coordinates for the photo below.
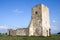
(12, 32)
(45, 20)
(18, 32)
(22, 31)
(39, 24)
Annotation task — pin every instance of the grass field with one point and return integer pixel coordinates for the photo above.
(53, 37)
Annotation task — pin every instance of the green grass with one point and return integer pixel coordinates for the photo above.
(53, 37)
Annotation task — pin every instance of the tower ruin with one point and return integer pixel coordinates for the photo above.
(40, 24)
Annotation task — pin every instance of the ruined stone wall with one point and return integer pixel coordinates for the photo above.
(22, 31)
(45, 20)
(18, 32)
(40, 24)
(12, 32)
(36, 21)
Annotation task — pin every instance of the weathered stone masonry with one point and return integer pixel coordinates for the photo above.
(39, 24)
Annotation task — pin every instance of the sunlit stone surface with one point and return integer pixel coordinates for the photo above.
(39, 24)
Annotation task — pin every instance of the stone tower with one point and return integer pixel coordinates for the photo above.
(39, 25)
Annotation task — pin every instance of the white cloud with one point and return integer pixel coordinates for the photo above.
(17, 11)
(3, 27)
(53, 21)
(53, 27)
(6, 27)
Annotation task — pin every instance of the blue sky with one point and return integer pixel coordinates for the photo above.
(17, 13)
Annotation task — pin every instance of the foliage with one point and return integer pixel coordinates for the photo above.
(58, 33)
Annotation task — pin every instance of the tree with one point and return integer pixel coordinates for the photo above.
(58, 33)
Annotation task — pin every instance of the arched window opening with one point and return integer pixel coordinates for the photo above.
(36, 12)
